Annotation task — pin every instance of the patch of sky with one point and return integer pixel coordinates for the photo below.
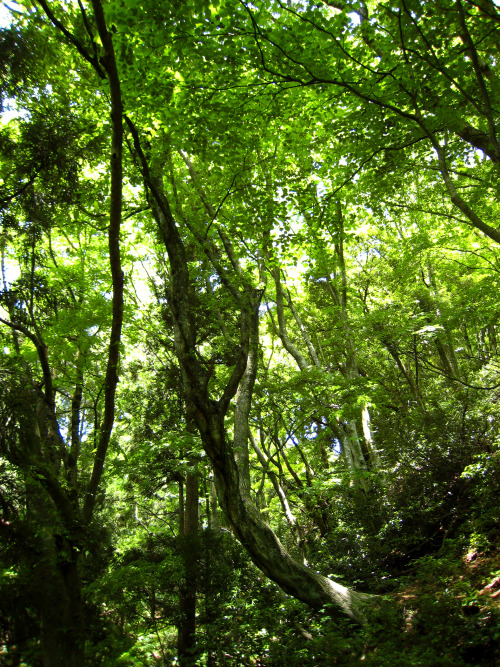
(5, 15)
(10, 272)
(311, 431)
(11, 111)
(355, 18)
(336, 447)
(320, 189)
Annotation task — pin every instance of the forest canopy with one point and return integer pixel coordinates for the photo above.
(249, 356)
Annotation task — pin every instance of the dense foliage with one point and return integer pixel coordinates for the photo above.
(250, 336)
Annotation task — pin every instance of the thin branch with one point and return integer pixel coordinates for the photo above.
(72, 39)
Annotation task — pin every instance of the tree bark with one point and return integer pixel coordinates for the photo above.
(56, 588)
(62, 519)
(186, 637)
(290, 517)
(254, 533)
(262, 544)
(61, 609)
(108, 61)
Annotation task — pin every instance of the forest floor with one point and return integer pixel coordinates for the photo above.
(450, 606)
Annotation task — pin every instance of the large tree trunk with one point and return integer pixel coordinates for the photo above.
(254, 533)
(56, 586)
(260, 541)
(61, 610)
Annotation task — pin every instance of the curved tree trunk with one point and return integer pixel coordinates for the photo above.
(257, 537)
(260, 541)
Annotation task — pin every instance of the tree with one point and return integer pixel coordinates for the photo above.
(298, 243)
(58, 506)
(389, 79)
